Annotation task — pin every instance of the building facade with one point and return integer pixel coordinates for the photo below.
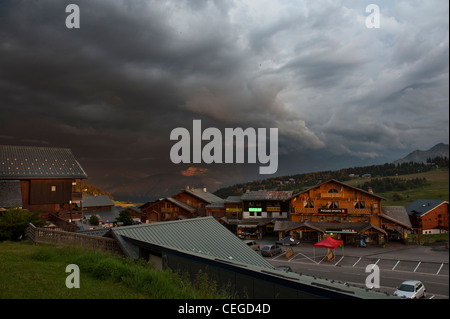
(429, 216)
(44, 178)
(345, 212)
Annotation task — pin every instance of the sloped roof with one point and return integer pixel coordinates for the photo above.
(267, 195)
(341, 183)
(203, 236)
(93, 201)
(203, 195)
(38, 162)
(397, 214)
(181, 204)
(423, 206)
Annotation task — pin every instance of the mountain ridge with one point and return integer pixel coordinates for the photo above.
(418, 156)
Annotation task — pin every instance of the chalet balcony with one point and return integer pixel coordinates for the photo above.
(77, 197)
(332, 195)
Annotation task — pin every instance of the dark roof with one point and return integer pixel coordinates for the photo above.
(38, 162)
(181, 204)
(233, 199)
(336, 181)
(267, 195)
(202, 236)
(95, 201)
(397, 214)
(10, 194)
(423, 206)
(203, 195)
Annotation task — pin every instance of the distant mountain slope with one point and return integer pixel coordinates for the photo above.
(439, 150)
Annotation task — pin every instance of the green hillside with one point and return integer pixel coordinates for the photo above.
(30, 271)
(400, 184)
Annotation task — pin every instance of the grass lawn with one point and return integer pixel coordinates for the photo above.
(23, 275)
(30, 271)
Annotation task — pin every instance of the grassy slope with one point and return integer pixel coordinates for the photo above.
(438, 188)
(38, 272)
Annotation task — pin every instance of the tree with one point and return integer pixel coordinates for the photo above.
(93, 220)
(14, 222)
(125, 218)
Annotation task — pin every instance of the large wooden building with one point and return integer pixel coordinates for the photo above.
(40, 179)
(346, 212)
(429, 216)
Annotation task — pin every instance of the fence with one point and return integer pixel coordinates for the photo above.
(56, 237)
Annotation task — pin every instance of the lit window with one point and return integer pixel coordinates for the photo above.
(53, 188)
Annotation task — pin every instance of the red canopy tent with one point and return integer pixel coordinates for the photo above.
(329, 243)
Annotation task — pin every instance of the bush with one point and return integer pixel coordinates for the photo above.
(14, 222)
(93, 220)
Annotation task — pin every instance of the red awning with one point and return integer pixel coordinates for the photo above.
(329, 243)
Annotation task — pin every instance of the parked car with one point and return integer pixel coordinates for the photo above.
(411, 289)
(253, 245)
(271, 250)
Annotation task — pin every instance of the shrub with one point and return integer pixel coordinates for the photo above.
(14, 222)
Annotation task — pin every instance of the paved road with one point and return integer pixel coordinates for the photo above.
(396, 264)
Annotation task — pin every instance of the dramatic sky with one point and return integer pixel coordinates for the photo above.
(340, 94)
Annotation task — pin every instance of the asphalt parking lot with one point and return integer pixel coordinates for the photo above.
(397, 261)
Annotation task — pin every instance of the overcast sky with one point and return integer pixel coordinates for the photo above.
(339, 93)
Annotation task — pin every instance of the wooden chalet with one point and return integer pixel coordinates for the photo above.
(197, 198)
(348, 213)
(40, 179)
(166, 209)
(429, 216)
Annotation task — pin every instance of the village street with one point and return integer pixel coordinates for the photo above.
(396, 263)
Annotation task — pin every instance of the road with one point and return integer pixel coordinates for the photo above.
(395, 265)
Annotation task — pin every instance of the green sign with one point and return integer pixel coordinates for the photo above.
(255, 209)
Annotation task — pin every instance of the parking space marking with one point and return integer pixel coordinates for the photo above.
(356, 262)
(439, 269)
(417, 266)
(339, 260)
(398, 261)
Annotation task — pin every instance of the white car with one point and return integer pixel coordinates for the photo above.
(411, 289)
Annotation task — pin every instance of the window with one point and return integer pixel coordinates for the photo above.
(333, 204)
(53, 188)
(309, 204)
(360, 204)
(333, 190)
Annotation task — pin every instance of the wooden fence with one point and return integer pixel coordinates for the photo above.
(56, 237)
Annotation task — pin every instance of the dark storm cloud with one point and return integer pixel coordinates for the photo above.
(116, 87)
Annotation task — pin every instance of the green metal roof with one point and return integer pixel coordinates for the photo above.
(203, 236)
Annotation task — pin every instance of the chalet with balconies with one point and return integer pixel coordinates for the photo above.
(166, 209)
(40, 179)
(198, 198)
(348, 213)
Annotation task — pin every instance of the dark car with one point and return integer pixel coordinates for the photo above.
(271, 250)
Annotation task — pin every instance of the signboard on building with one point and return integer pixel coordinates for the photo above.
(332, 210)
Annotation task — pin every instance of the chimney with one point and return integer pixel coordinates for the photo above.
(204, 189)
(370, 190)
